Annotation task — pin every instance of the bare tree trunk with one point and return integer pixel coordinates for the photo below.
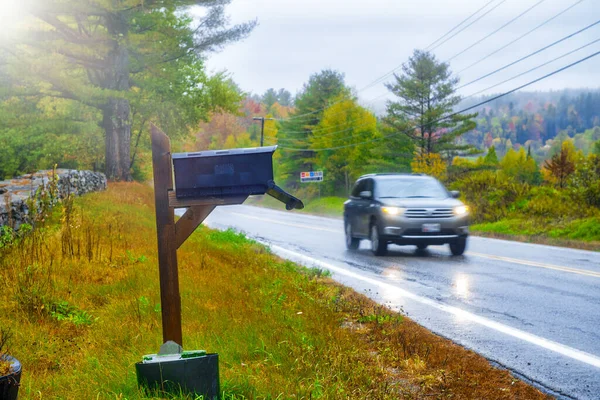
(116, 119)
(117, 129)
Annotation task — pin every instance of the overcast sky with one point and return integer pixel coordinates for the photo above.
(367, 39)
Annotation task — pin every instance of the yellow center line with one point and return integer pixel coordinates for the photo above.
(488, 256)
(537, 264)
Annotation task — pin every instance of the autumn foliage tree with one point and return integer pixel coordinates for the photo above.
(561, 165)
(345, 132)
(315, 97)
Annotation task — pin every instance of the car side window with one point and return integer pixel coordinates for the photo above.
(359, 187)
(370, 186)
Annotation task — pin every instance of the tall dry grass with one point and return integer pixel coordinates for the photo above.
(81, 296)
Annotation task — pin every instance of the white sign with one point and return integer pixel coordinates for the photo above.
(312, 176)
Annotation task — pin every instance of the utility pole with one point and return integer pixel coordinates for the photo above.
(262, 127)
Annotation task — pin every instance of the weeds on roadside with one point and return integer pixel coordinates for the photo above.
(281, 331)
(5, 365)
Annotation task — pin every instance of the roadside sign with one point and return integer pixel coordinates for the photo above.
(312, 176)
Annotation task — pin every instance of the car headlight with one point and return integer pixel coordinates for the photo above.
(461, 210)
(393, 210)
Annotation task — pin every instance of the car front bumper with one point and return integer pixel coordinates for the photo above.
(403, 230)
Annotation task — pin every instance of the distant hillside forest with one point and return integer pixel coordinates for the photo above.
(538, 121)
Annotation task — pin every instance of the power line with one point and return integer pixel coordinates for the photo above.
(479, 92)
(458, 112)
(529, 55)
(495, 71)
(510, 64)
(532, 69)
(334, 126)
(471, 95)
(388, 74)
(522, 36)
(481, 16)
(462, 22)
(494, 32)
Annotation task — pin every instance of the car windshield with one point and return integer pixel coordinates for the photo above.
(410, 188)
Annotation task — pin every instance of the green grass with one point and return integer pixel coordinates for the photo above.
(82, 299)
(579, 233)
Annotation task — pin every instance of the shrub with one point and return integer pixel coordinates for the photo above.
(490, 196)
(549, 202)
(430, 164)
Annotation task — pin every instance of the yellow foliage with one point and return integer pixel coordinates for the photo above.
(565, 163)
(463, 162)
(430, 164)
(517, 165)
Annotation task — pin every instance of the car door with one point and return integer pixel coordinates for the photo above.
(354, 206)
(364, 208)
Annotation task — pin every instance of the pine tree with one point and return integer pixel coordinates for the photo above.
(426, 94)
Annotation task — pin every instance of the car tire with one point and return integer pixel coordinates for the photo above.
(458, 248)
(422, 246)
(378, 246)
(352, 243)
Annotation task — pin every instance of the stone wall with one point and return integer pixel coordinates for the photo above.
(14, 193)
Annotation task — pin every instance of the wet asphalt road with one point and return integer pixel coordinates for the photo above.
(532, 309)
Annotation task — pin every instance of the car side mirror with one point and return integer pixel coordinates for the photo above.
(365, 194)
(455, 194)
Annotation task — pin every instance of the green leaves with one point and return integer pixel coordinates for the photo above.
(426, 97)
(114, 64)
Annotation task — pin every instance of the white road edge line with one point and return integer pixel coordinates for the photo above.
(556, 347)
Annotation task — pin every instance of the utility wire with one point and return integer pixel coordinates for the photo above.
(529, 55)
(477, 19)
(388, 74)
(462, 22)
(521, 37)
(502, 48)
(532, 69)
(505, 66)
(332, 127)
(494, 32)
(526, 57)
(505, 81)
(458, 112)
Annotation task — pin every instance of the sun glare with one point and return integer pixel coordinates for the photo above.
(12, 13)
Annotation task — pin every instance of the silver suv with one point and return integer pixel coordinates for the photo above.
(405, 209)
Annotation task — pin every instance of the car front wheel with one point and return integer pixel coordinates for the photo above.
(378, 246)
(458, 248)
(352, 243)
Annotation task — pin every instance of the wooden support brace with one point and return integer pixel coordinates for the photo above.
(188, 223)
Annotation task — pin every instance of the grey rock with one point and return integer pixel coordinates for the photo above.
(16, 193)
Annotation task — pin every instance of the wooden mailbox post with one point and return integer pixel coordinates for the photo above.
(205, 180)
(171, 235)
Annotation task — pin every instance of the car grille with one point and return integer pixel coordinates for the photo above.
(428, 213)
(418, 232)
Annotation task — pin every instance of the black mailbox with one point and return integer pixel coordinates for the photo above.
(227, 173)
